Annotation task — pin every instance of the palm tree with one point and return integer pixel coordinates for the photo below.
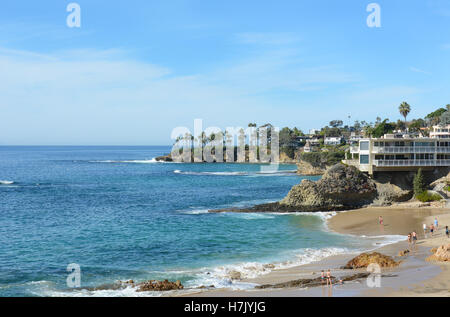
(404, 109)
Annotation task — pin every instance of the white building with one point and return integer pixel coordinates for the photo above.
(402, 152)
(440, 132)
(333, 140)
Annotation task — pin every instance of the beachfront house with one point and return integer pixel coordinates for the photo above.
(402, 152)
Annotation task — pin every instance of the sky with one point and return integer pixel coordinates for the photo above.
(135, 70)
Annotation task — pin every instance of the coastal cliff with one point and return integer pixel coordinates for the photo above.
(307, 169)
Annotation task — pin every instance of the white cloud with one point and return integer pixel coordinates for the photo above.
(417, 70)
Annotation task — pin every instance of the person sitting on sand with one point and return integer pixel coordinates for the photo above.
(446, 231)
(329, 278)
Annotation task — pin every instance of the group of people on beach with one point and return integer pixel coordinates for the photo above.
(434, 227)
(412, 240)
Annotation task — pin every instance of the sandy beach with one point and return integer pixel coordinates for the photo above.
(414, 277)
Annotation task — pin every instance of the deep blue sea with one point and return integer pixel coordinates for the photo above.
(120, 215)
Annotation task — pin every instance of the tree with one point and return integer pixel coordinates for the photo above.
(433, 117)
(419, 183)
(381, 129)
(417, 124)
(404, 109)
(444, 119)
(336, 123)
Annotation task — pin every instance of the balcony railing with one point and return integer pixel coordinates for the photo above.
(412, 149)
(387, 163)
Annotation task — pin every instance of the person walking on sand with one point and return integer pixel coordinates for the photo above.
(414, 239)
(446, 232)
(409, 241)
(436, 224)
(431, 230)
(380, 220)
(425, 230)
(329, 278)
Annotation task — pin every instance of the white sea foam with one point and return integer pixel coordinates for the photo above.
(195, 212)
(6, 182)
(249, 215)
(151, 161)
(220, 276)
(210, 173)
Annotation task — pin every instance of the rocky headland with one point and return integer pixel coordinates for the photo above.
(341, 188)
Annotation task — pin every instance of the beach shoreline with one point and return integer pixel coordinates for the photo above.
(414, 277)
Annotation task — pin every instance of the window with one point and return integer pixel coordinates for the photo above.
(364, 159)
(364, 145)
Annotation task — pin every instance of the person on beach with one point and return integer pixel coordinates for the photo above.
(436, 224)
(425, 230)
(431, 230)
(409, 240)
(380, 220)
(414, 239)
(322, 276)
(446, 231)
(329, 278)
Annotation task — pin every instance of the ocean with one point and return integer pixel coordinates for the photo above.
(120, 215)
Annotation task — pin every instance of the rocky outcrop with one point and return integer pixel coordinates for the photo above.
(306, 169)
(285, 159)
(390, 193)
(341, 187)
(152, 285)
(164, 158)
(155, 285)
(365, 259)
(442, 254)
(302, 283)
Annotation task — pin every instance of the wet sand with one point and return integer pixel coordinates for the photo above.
(414, 277)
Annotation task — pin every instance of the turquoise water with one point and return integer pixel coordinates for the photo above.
(120, 215)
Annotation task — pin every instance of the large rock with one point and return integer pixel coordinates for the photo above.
(165, 158)
(305, 168)
(341, 187)
(442, 254)
(391, 193)
(365, 259)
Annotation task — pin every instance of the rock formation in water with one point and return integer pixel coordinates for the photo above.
(341, 187)
(164, 158)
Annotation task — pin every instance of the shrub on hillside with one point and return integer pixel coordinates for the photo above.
(426, 197)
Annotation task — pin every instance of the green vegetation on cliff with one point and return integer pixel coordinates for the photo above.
(323, 159)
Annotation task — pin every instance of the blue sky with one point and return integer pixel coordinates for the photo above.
(137, 69)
